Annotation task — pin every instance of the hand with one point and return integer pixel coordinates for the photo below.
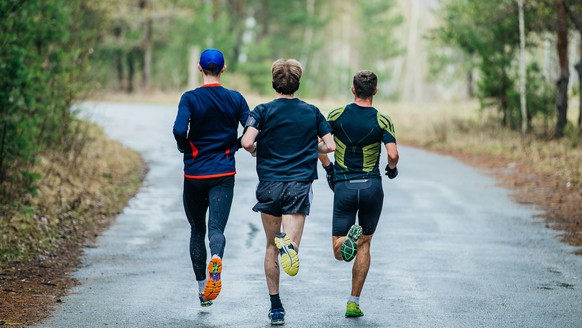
(254, 152)
(391, 173)
(329, 175)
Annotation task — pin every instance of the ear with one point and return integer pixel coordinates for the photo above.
(223, 69)
(375, 90)
(199, 68)
(353, 90)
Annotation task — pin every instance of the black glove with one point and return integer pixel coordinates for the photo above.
(391, 173)
(329, 175)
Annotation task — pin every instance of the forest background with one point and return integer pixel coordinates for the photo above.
(498, 79)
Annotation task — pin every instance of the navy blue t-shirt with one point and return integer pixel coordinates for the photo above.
(287, 139)
(206, 130)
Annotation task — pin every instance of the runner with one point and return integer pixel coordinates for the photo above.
(355, 178)
(206, 132)
(286, 132)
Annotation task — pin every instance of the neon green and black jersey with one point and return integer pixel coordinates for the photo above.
(358, 134)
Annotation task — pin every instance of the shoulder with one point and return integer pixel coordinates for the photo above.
(385, 121)
(234, 93)
(334, 114)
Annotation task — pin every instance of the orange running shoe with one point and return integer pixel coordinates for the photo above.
(213, 285)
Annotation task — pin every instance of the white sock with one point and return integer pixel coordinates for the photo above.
(201, 285)
(355, 299)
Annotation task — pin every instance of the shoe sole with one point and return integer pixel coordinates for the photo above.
(214, 284)
(289, 257)
(205, 303)
(354, 314)
(350, 244)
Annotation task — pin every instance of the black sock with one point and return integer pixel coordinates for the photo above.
(275, 301)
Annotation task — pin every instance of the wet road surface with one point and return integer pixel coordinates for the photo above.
(451, 250)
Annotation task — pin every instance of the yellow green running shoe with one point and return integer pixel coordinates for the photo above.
(289, 258)
(350, 244)
(353, 310)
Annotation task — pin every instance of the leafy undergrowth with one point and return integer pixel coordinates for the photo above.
(79, 193)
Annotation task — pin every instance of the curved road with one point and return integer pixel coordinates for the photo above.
(451, 250)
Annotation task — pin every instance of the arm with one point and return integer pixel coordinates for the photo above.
(393, 156)
(324, 159)
(248, 139)
(327, 145)
(180, 129)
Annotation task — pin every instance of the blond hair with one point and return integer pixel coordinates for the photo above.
(286, 75)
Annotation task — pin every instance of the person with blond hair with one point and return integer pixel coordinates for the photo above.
(285, 134)
(359, 130)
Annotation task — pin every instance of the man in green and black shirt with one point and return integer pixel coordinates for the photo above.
(359, 130)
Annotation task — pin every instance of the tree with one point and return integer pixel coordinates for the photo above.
(574, 9)
(487, 32)
(562, 83)
(44, 69)
(522, 69)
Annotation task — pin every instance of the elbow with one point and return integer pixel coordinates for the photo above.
(247, 144)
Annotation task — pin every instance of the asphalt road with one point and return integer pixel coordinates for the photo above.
(451, 250)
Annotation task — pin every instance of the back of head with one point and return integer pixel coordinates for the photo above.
(211, 61)
(365, 83)
(286, 75)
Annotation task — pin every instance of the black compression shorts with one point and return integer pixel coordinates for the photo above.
(364, 198)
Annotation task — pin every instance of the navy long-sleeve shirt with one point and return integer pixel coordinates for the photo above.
(206, 130)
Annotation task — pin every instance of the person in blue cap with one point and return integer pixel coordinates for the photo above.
(358, 130)
(205, 130)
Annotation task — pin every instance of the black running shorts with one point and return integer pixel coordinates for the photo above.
(277, 198)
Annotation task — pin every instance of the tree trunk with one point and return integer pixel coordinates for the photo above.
(470, 84)
(237, 21)
(148, 47)
(130, 71)
(308, 34)
(522, 71)
(562, 83)
(119, 68)
(579, 70)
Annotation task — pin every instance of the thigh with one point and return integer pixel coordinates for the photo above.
(345, 208)
(195, 199)
(370, 208)
(269, 195)
(220, 200)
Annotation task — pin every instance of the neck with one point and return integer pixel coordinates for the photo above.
(209, 79)
(280, 95)
(363, 102)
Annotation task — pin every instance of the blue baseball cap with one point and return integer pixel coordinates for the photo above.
(211, 60)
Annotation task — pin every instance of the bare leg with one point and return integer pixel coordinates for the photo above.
(336, 242)
(361, 264)
(293, 226)
(272, 226)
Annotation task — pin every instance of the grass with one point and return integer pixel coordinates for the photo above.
(78, 192)
(463, 127)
